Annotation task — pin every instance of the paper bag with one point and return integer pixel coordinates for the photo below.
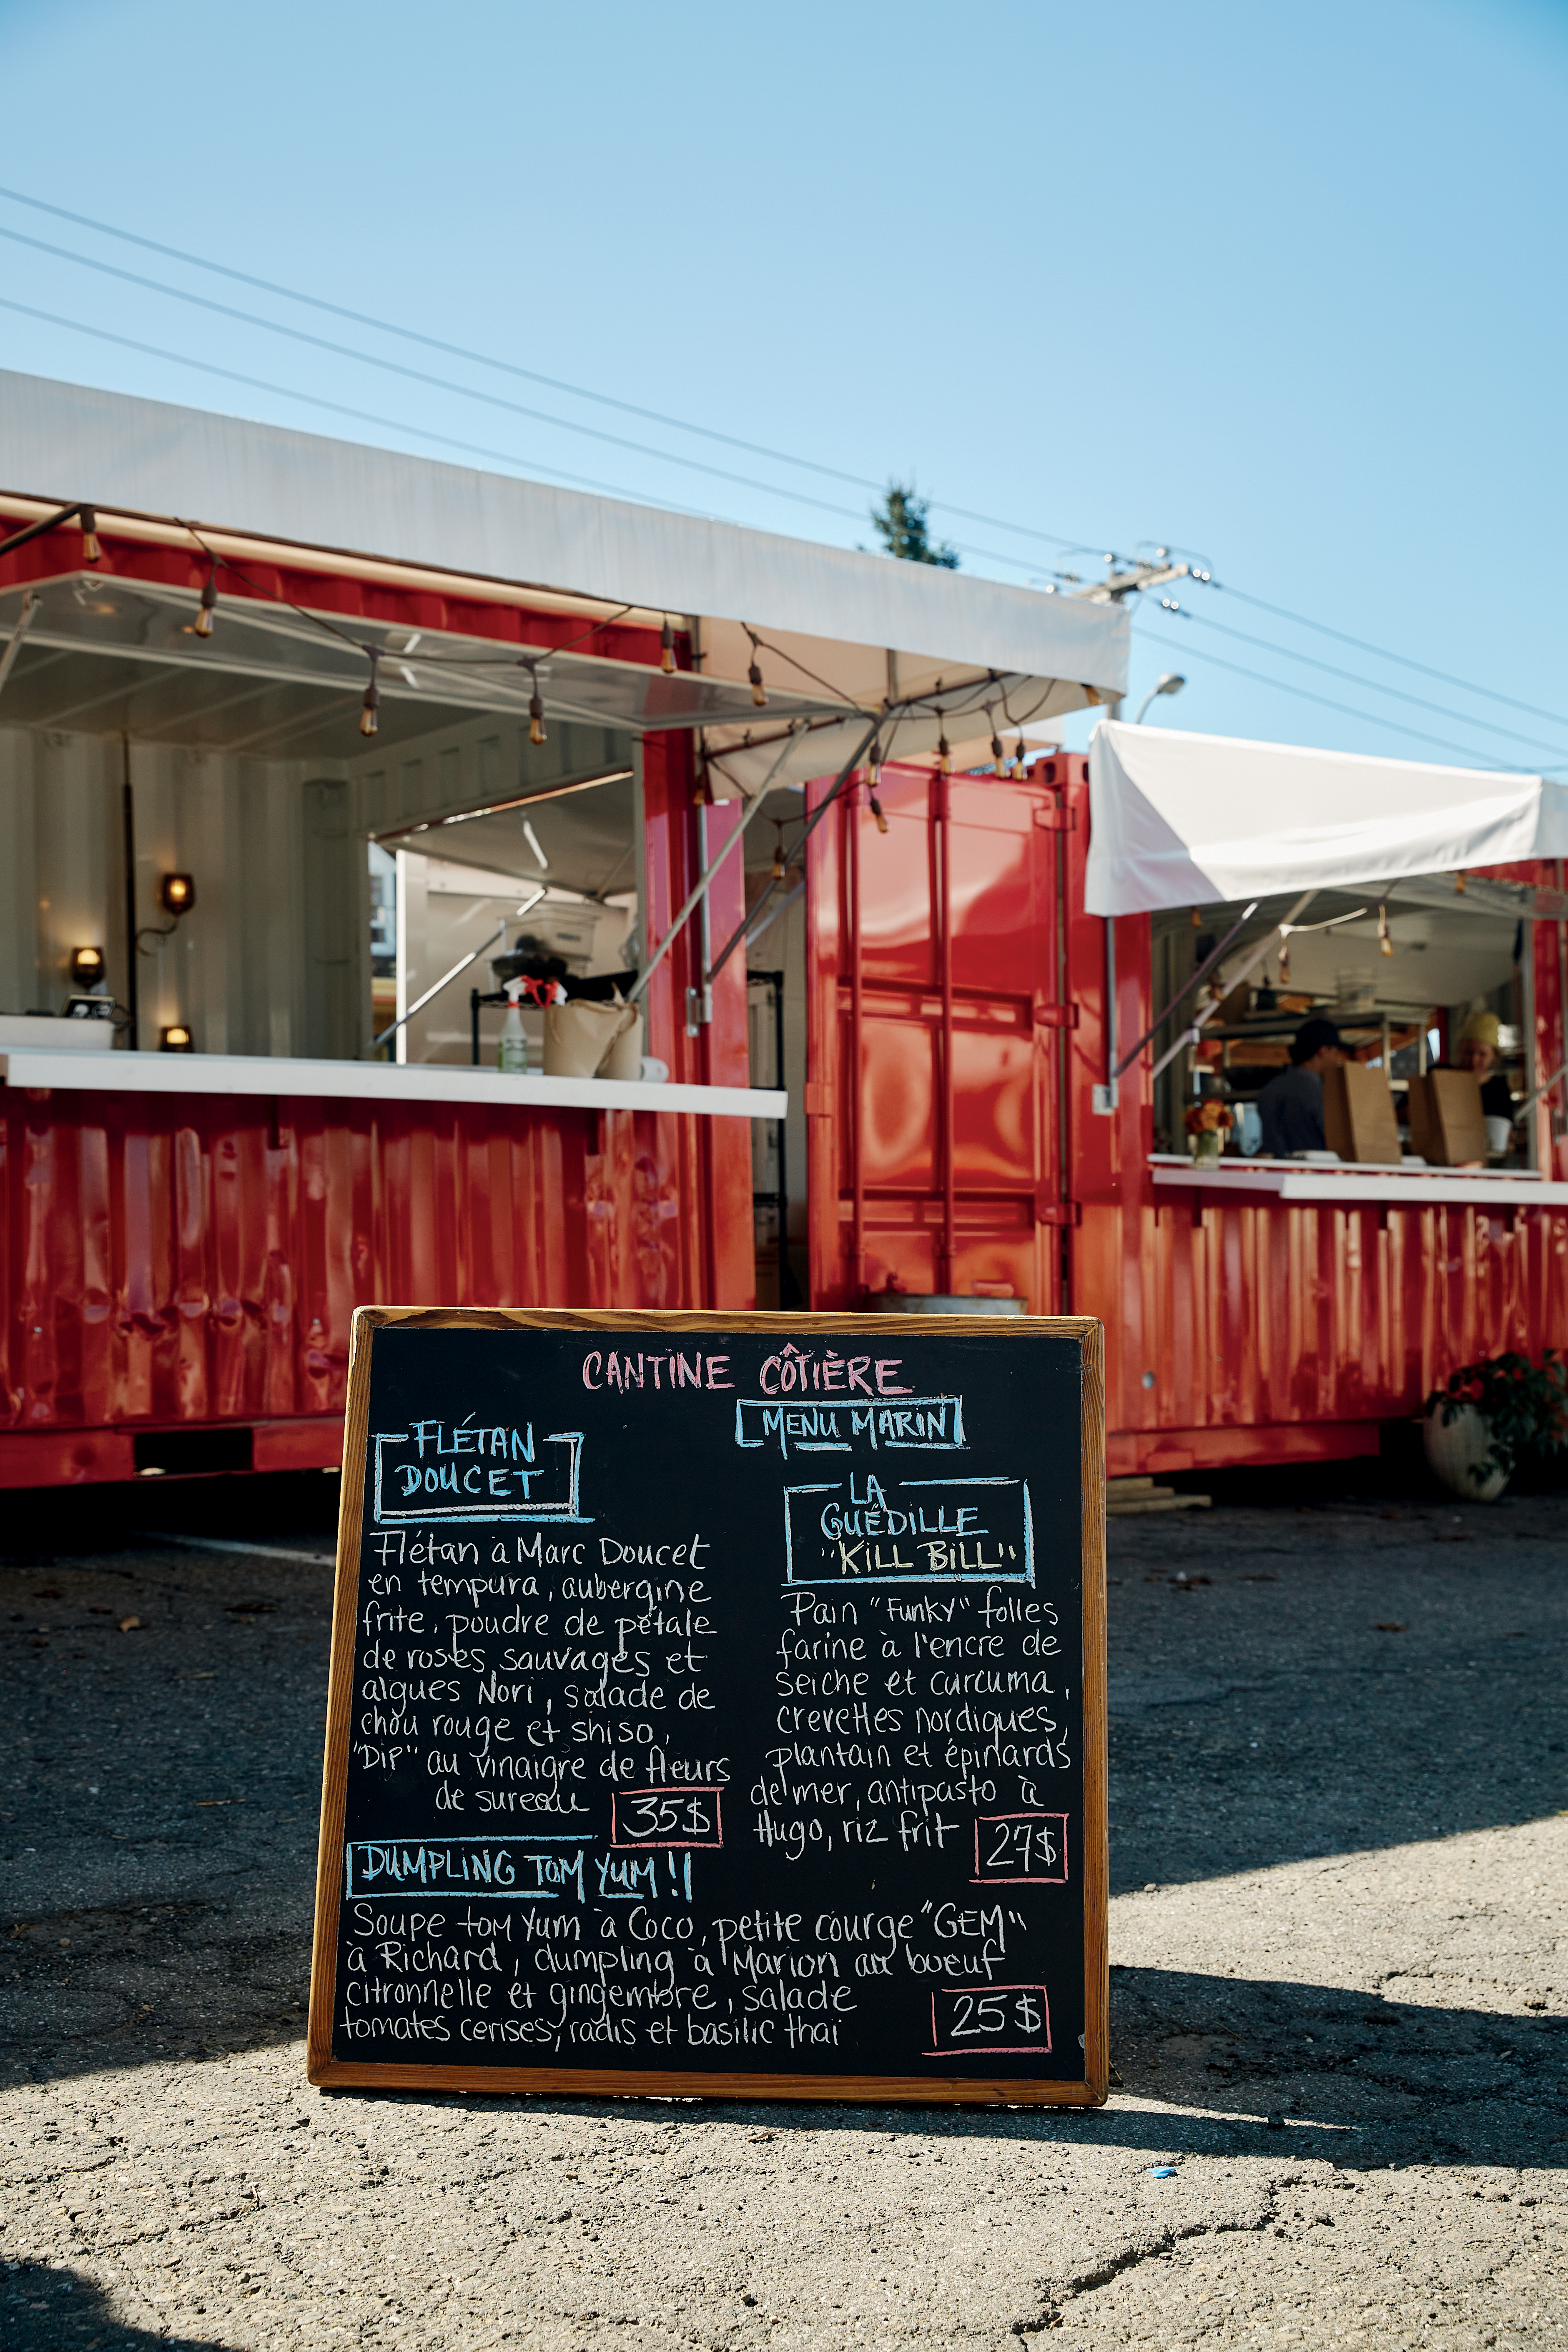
(1445, 1123)
(1359, 1118)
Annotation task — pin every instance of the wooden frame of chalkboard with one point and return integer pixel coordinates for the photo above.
(1081, 2086)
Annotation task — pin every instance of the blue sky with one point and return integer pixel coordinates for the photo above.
(1278, 289)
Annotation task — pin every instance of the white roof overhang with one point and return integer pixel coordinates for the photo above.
(845, 634)
(1184, 820)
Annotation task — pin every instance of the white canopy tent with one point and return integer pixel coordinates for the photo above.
(844, 635)
(1183, 820)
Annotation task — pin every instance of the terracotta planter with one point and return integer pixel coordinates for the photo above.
(1457, 1447)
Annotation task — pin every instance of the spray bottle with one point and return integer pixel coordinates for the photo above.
(511, 1052)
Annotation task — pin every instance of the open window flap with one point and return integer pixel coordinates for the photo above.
(1182, 820)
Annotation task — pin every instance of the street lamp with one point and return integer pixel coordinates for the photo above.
(1171, 683)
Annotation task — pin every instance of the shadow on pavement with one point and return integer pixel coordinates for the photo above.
(45, 2310)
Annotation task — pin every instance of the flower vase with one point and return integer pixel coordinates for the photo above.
(1206, 1147)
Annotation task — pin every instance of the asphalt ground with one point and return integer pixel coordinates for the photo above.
(1339, 1776)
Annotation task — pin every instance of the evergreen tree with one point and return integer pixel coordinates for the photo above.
(900, 523)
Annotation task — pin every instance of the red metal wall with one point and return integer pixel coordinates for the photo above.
(191, 1260)
(934, 1049)
(1248, 1331)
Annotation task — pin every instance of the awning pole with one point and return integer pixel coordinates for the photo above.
(1186, 988)
(1190, 1036)
(702, 888)
(745, 931)
(421, 1002)
(31, 607)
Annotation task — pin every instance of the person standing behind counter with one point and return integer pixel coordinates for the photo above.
(1478, 1053)
(1290, 1108)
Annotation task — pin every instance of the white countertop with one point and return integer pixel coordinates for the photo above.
(1413, 1188)
(409, 1082)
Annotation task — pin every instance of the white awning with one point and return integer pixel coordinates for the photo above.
(845, 629)
(1194, 820)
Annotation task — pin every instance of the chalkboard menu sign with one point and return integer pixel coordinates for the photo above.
(717, 1707)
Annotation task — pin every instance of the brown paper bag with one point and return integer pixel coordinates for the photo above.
(1445, 1123)
(1359, 1118)
(581, 1038)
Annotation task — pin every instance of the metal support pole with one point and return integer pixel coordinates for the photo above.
(949, 1139)
(127, 825)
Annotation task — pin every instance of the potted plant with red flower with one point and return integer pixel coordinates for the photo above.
(1488, 1413)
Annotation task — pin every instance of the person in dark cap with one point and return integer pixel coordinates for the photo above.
(1290, 1108)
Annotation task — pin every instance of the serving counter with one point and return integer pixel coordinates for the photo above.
(186, 1236)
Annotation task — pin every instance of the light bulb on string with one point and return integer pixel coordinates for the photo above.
(1018, 760)
(1384, 940)
(777, 874)
(369, 714)
(754, 675)
(536, 712)
(666, 648)
(998, 757)
(944, 754)
(90, 549)
(205, 609)
(873, 778)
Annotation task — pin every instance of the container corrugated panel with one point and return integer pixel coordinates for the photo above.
(198, 1259)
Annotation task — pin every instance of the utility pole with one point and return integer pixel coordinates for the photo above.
(1121, 580)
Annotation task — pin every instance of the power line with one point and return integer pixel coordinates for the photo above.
(416, 376)
(657, 417)
(1367, 718)
(509, 367)
(1381, 652)
(462, 390)
(341, 408)
(1353, 678)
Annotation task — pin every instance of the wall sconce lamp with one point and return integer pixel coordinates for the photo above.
(176, 1039)
(87, 966)
(177, 896)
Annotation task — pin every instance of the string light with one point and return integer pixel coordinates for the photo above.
(205, 610)
(666, 648)
(754, 674)
(1460, 886)
(873, 778)
(998, 757)
(1385, 943)
(368, 717)
(536, 712)
(90, 549)
(944, 754)
(1018, 761)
